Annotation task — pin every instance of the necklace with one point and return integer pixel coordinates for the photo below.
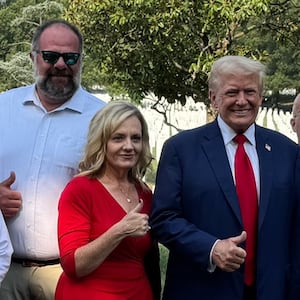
(126, 194)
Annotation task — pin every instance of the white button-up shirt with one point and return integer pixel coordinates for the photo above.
(5, 249)
(43, 149)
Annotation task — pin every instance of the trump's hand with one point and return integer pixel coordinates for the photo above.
(228, 255)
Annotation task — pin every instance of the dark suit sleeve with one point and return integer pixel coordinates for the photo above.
(173, 207)
(152, 268)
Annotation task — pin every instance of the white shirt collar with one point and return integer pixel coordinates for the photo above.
(75, 103)
(228, 133)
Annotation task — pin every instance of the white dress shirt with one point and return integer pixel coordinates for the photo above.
(43, 149)
(250, 147)
(6, 249)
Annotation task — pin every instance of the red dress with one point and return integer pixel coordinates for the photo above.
(86, 210)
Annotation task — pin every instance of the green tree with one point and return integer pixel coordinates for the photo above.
(134, 47)
(160, 46)
(18, 21)
(284, 54)
(275, 41)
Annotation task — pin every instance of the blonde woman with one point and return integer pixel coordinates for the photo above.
(103, 230)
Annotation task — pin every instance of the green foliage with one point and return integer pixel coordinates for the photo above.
(283, 73)
(18, 21)
(164, 255)
(165, 47)
(151, 172)
(16, 71)
(275, 41)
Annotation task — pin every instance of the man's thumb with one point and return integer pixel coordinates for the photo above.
(240, 238)
(10, 180)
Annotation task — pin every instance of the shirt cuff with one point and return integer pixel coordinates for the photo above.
(211, 268)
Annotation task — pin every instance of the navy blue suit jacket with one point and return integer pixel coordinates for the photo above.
(195, 203)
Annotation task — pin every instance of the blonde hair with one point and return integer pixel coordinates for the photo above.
(102, 126)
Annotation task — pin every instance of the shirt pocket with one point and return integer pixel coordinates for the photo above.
(68, 152)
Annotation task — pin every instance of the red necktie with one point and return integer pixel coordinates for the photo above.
(247, 195)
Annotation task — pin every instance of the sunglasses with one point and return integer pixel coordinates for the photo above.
(51, 57)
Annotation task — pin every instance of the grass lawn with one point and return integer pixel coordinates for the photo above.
(164, 252)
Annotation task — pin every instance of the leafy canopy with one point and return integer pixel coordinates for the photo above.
(160, 46)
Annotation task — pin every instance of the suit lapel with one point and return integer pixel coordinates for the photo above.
(264, 152)
(217, 157)
(216, 154)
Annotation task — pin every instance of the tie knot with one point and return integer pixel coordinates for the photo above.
(240, 139)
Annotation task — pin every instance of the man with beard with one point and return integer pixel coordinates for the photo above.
(43, 130)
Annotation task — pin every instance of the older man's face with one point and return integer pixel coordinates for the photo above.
(237, 99)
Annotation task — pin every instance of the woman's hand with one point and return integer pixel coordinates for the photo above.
(135, 223)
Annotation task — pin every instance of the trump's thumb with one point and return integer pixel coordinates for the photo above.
(240, 238)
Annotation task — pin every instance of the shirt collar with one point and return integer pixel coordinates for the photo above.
(228, 133)
(75, 103)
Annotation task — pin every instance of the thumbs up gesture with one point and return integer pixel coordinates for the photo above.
(135, 223)
(228, 255)
(10, 201)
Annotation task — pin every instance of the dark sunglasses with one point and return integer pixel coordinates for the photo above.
(51, 57)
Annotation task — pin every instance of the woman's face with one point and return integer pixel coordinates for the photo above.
(125, 145)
